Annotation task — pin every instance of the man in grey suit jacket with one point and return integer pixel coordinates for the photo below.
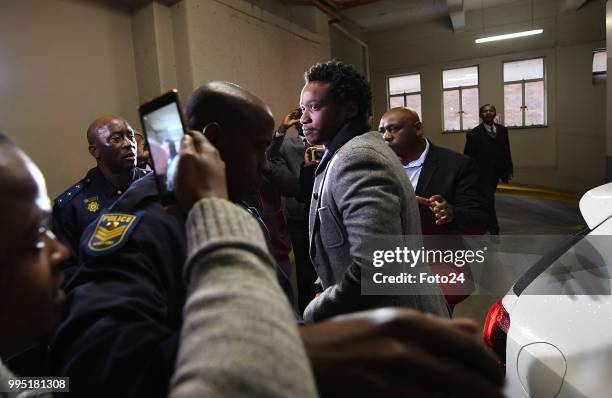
(360, 191)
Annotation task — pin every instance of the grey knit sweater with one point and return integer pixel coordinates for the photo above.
(239, 337)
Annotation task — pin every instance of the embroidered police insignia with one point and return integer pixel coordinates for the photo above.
(111, 232)
(93, 206)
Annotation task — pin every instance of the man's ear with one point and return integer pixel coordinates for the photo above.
(93, 151)
(214, 133)
(419, 128)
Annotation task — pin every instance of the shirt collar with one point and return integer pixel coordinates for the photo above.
(101, 184)
(351, 129)
(419, 162)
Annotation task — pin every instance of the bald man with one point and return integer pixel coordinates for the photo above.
(445, 182)
(112, 144)
(121, 334)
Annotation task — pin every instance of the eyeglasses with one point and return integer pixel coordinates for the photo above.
(43, 233)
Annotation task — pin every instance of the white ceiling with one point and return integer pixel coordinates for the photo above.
(387, 13)
(382, 14)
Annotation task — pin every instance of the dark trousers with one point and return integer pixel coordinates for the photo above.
(305, 272)
(490, 189)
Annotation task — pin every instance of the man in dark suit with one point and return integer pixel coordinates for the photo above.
(445, 182)
(489, 146)
(446, 185)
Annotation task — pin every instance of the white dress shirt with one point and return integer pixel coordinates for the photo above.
(413, 169)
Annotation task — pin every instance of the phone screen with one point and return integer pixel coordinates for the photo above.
(164, 130)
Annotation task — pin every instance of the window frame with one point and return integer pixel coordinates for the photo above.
(460, 89)
(405, 94)
(522, 82)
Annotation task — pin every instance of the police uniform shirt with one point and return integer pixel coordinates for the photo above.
(121, 330)
(82, 203)
(122, 327)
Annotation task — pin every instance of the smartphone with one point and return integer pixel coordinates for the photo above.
(164, 126)
(315, 152)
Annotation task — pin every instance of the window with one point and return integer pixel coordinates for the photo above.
(524, 93)
(405, 91)
(460, 98)
(600, 65)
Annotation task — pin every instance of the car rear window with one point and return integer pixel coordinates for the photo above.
(546, 261)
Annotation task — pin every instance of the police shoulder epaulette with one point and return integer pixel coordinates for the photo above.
(70, 193)
(110, 232)
(142, 172)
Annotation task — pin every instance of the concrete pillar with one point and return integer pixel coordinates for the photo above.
(609, 92)
(145, 52)
(153, 39)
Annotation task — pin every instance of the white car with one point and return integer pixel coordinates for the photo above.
(553, 330)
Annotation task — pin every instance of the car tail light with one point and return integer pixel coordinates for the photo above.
(495, 332)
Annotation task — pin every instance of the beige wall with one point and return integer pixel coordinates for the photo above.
(348, 44)
(347, 50)
(76, 60)
(569, 154)
(237, 41)
(155, 37)
(62, 64)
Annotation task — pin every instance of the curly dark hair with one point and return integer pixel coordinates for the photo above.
(345, 84)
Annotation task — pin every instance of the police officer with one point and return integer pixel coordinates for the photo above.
(112, 143)
(121, 333)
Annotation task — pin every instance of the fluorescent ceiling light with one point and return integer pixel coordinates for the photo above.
(509, 36)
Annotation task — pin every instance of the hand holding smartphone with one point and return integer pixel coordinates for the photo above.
(164, 126)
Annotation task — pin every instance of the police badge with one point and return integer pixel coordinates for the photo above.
(110, 233)
(92, 204)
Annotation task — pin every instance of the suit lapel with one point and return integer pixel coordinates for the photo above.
(429, 168)
(313, 219)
